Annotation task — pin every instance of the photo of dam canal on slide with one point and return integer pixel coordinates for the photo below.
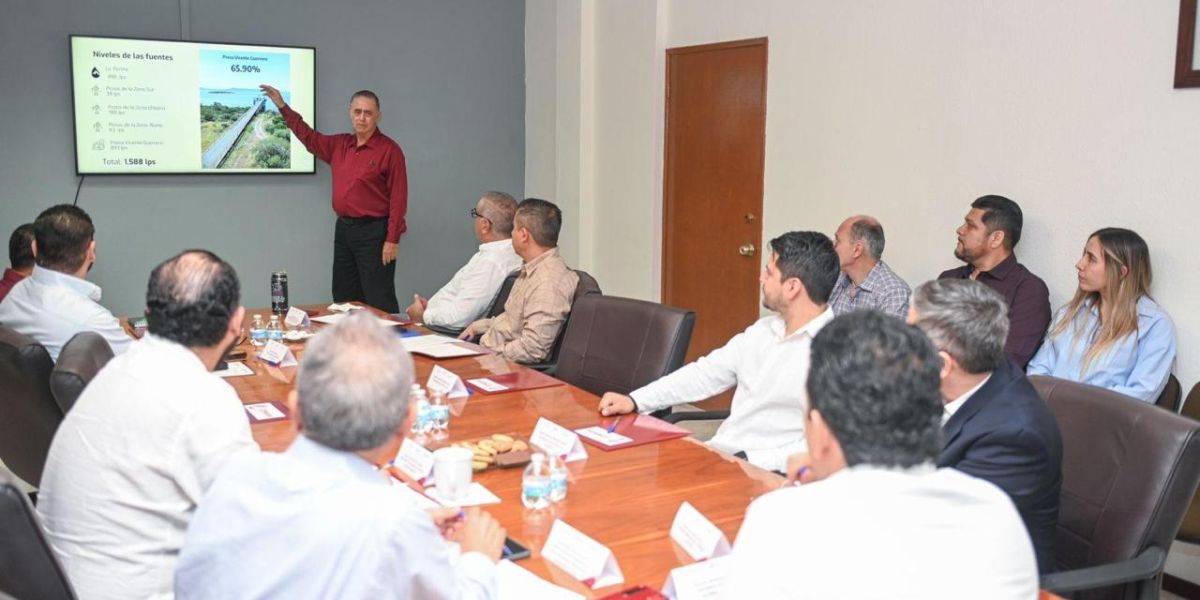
(239, 127)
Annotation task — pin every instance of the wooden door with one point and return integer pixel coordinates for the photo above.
(713, 186)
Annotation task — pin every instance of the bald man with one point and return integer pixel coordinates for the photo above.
(866, 281)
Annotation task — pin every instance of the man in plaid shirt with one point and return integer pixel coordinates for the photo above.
(866, 281)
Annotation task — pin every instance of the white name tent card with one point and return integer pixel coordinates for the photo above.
(556, 440)
(697, 535)
(262, 412)
(697, 581)
(414, 460)
(295, 317)
(234, 369)
(444, 381)
(516, 583)
(601, 435)
(344, 307)
(275, 353)
(581, 557)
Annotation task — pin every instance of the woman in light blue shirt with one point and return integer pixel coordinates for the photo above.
(1111, 334)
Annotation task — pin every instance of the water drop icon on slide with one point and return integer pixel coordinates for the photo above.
(95, 73)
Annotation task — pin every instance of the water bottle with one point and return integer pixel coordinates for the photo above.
(558, 479)
(258, 333)
(421, 425)
(439, 416)
(535, 483)
(274, 329)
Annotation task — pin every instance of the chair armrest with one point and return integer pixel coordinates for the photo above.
(707, 415)
(1146, 565)
(450, 331)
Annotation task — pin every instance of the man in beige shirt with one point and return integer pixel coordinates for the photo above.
(541, 298)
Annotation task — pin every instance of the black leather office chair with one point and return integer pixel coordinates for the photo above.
(1129, 472)
(1170, 396)
(587, 285)
(81, 358)
(614, 344)
(496, 307)
(29, 413)
(28, 569)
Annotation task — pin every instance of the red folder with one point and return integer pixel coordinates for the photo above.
(642, 429)
(524, 379)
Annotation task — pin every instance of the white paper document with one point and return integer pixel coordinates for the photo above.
(556, 440)
(235, 369)
(263, 411)
(446, 351)
(334, 318)
(487, 385)
(344, 307)
(601, 435)
(581, 557)
(697, 581)
(423, 341)
(412, 498)
(275, 353)
(517, 583)
(414, 460)
(477, 495)
(444, 381)
(697, 535)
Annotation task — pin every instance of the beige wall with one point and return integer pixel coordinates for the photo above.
(906, 111)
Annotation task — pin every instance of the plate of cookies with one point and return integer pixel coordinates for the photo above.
(498, 450)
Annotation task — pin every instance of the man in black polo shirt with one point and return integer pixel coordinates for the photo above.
(986, 240)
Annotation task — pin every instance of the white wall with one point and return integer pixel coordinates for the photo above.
(907, 111)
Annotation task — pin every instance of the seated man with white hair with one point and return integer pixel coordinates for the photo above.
(320, 520)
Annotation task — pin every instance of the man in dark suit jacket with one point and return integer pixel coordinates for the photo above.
(995, 426)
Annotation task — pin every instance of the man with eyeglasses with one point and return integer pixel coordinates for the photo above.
(469, 293)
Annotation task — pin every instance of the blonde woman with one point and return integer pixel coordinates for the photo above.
(1111, 334)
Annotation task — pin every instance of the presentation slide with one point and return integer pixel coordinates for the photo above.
(160, 107)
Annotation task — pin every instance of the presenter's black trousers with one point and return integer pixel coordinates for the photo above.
(358, 269)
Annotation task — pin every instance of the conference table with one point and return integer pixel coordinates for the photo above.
(625, 498)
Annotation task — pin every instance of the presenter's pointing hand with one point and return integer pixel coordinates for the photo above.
(615, 404)
(389, 253)
(273, 94)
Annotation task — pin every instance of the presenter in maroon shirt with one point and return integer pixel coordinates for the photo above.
(20, 254)
(370, 197)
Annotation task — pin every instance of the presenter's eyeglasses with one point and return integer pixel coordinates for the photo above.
(475, 213)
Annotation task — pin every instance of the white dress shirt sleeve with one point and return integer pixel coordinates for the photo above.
(466, 296)
(105, 324)
(708, 376)
(215, 435)
(433, 574)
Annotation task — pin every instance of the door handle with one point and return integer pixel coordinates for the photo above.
(746, 250)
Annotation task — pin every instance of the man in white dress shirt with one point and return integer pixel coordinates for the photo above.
(767, 362)
(320, 520)
(877, 519)
(55, 302)
(146, 438)
(473, 288)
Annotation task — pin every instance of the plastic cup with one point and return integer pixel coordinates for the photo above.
(452, 470)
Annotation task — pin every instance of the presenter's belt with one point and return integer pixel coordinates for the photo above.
(359, 220)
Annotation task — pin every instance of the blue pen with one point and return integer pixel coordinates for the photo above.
(613, 427)
(800, 473)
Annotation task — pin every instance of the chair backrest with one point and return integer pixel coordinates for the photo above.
(615, 344)
(79, 361)
(497, 306)
(1169, 398)
(587, 285)
(1129, 473)
(1189, 531)
(30, 415)
(28, 569)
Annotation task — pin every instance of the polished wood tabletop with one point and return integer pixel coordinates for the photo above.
(625, 499)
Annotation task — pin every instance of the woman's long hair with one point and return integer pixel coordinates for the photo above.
(1122, 249)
